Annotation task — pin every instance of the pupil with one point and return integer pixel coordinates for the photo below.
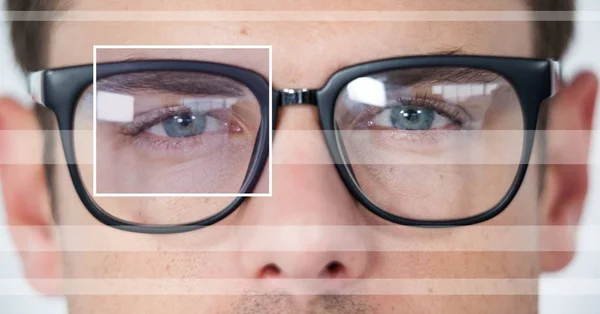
(185, 120)
(411, 114)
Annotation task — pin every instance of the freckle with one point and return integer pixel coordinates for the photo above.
(244, 30)
(441, 176)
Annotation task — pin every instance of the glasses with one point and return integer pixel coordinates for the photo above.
(428, 141)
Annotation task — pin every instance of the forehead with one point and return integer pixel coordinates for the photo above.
(305, 52)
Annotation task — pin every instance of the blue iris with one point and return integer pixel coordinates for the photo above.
(412, 117)
(185, 124)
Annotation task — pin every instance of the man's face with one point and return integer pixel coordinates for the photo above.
(423, 267)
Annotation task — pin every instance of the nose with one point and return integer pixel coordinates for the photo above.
(309, 228)
(323, 254)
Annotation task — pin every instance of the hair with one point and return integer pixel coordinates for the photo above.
(30, 38)
(30, 41)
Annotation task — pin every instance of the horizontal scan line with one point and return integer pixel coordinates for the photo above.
(286, 238)
(421, 287)
(302, 16)
(436, 148)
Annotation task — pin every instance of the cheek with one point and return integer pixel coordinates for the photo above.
(132, 271)
(143, 264)
(118, 304)
(525, 209)
(456, 265)
(435, 191)
(121, 263)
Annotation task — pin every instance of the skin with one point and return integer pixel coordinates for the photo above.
(306, 190)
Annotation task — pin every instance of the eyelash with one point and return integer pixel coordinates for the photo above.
(451, 111)
(135, 132)
(151, 118)
(154, 117)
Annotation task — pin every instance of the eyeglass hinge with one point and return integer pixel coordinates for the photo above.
(35, 82)
(556, 69)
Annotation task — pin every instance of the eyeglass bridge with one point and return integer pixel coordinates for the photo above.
(298, 97)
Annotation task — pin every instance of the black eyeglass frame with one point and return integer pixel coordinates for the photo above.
(534, 80)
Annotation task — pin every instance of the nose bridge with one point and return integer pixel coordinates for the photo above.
(306, 186)
(309, 200)
(289, 97)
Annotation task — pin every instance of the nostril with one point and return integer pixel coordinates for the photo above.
(334, 269)
(270, 270)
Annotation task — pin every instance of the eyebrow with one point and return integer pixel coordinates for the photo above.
(171, 82)
(196, 83)
(439, 75)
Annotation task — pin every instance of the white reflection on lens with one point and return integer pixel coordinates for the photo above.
(114, 107)
(367, 90)
(210, 102)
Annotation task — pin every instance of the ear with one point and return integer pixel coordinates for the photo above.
(26, 196)
(566, 175)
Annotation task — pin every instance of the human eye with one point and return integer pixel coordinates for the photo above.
(185, 123)
(419, 114)
(414, 113)
(183, 127)
(419, 123)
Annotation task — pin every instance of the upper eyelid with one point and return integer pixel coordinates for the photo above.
(141, 120)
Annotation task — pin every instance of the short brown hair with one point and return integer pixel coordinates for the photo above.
(30, 38)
